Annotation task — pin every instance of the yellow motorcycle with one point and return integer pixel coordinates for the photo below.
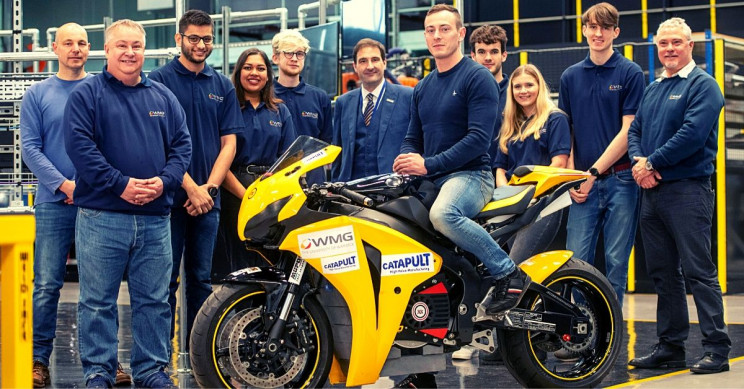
(385, 294)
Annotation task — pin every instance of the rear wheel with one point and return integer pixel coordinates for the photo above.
(228, 342)
(530, 354)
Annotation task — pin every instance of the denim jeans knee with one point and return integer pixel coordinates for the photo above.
(461, 196)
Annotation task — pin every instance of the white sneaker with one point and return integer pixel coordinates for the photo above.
(466, 352)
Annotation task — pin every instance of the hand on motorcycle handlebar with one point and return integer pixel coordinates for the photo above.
(410, 163)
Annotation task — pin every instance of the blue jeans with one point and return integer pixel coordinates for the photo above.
(193, 237)
(611, 207)
(535, 238)
(108, 243)
(461, 196)
(676, 229)
(55, 232)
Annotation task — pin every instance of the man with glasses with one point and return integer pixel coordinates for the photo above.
(213, 117)
(310, 106)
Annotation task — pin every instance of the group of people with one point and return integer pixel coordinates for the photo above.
(145, 170)
(130, 168)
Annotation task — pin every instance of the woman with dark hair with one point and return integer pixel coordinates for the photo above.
(268, 133)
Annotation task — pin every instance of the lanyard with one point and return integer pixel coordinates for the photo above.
(379, 99)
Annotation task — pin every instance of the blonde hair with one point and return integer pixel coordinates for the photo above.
(514, 120)
(124, 23)
(289, 38)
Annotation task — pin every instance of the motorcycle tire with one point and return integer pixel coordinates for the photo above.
(226, 342)
(530, 355)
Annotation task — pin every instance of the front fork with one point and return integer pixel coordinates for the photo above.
(277, 329)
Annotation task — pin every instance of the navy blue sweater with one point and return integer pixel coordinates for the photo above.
(676, 126)
(114, 132)
(452, 119)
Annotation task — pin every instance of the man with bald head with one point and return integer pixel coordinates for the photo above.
(43, 151)
(128, 140)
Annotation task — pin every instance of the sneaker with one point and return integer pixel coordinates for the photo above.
(420, 380)
(508, 291)
(41, 375)
(122, 378)
(464, 353)
(157, 380)
(566, 355)
(98, 381)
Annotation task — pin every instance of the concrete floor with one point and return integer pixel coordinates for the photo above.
(639, 313)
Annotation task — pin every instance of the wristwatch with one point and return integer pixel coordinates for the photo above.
(593, 171)
(649, 166)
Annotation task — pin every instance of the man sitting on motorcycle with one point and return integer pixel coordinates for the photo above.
(452, 150)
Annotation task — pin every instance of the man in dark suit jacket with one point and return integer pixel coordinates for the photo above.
(370, 123)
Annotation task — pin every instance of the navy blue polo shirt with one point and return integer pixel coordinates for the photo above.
(596, 97)
(555, 139)
(212, 111)
(114, 132)
(310, 107)
(266, 136)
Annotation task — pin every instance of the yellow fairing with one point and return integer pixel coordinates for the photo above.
(547, 177)
(284, 183)
(542, 265)
(374, 324)
(503, 203)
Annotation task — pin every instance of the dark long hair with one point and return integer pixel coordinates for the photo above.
(267, 93)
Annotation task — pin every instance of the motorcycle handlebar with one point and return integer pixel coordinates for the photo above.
(356, 197)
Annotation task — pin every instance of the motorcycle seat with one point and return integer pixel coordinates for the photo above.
(508, 200)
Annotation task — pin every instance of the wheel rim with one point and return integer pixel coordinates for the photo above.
(593, 353)
(240, 356)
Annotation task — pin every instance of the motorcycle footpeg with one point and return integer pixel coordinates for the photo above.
(480, 309)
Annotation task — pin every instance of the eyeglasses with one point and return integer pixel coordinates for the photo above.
(194, 39)
(289, 54)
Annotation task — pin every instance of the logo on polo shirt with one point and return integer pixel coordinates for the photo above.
(675, 97)
(615, 88)
(274, 123)
(307, 114)
(216, 98)
(157, 114)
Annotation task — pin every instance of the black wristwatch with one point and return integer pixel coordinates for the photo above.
(593, 171)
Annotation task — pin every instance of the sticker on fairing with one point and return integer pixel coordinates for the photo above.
(407, 264)
(327, 243)
(314, 156)
(340, 263)
(420, 311)
(296, 275)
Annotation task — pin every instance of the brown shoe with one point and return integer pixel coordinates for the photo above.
(122, 378)
(41, 375)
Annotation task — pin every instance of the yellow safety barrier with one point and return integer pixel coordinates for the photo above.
(16, 283)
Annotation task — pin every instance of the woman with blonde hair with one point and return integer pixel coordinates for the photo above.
(534, 132)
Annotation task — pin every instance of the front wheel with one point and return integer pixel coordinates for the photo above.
(530, 355)
(228, 341)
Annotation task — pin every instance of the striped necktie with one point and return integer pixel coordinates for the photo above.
(368, 109)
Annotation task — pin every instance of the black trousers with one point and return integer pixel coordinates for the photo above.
(676, 229)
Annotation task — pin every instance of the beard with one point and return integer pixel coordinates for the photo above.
(188, 53)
